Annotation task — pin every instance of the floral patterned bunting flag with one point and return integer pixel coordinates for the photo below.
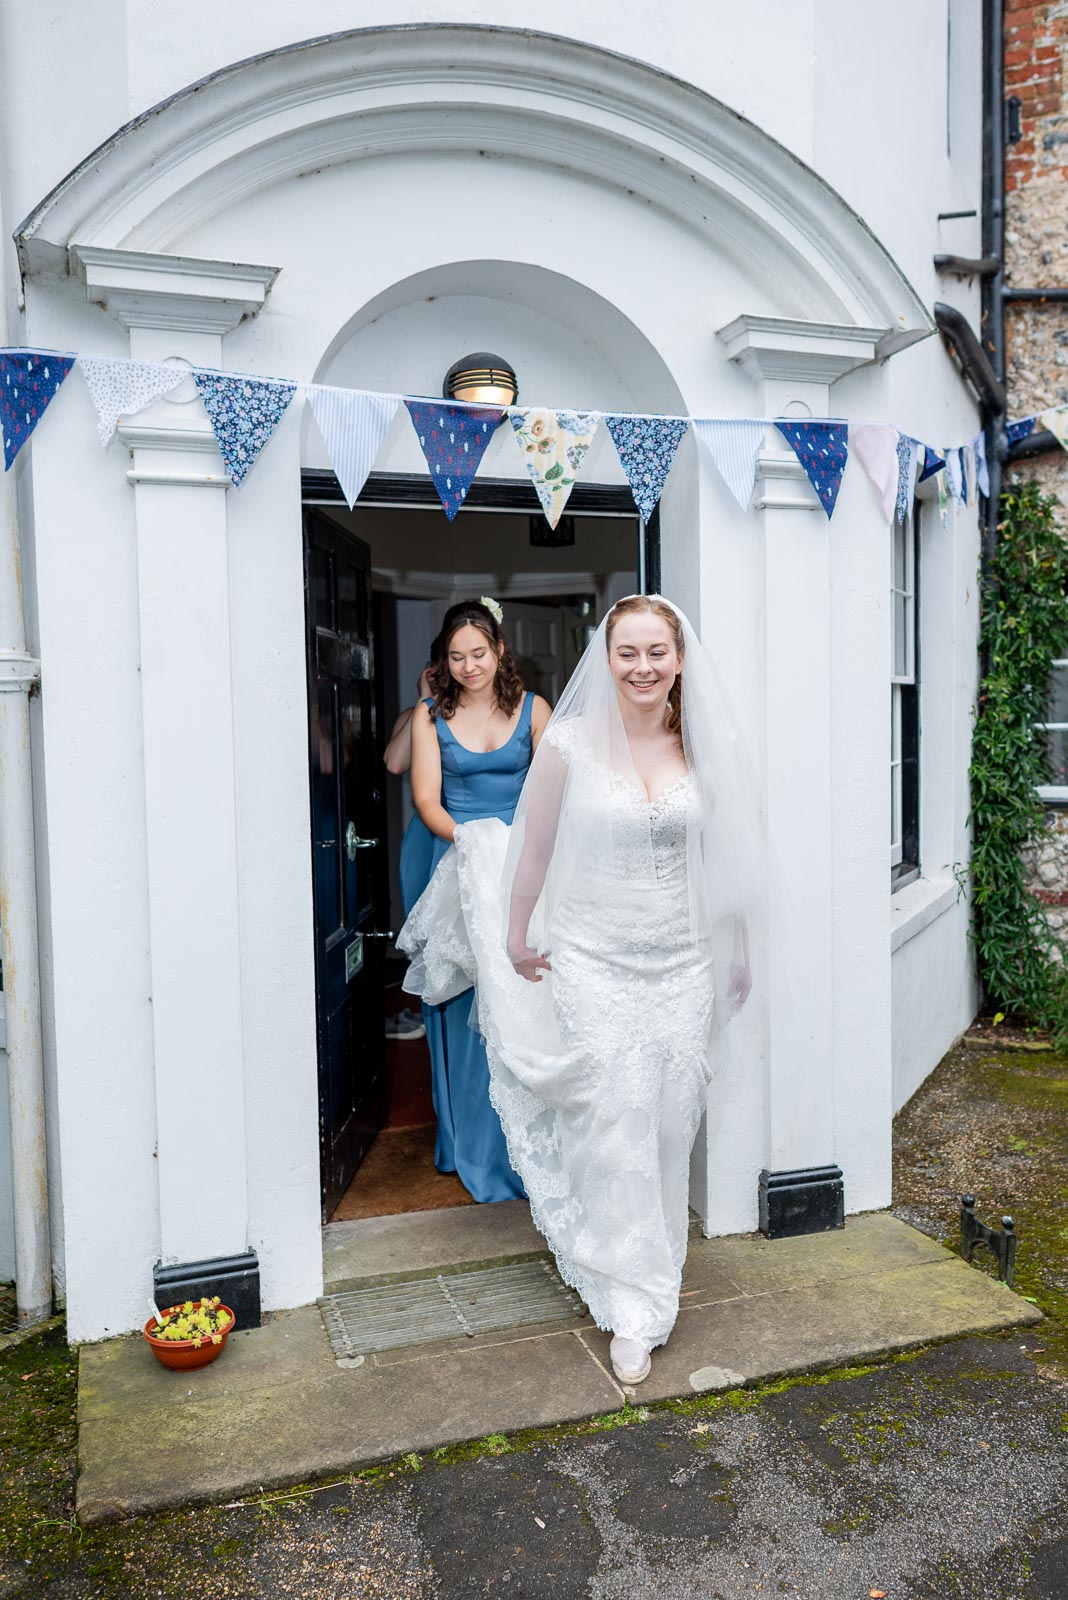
(453, 439)
(28, 381)
(823, 450)
(646, 448)
(121, 388)
(243, 413)
(554, 446)
(908, 459)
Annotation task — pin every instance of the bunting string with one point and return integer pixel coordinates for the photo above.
(553, 442)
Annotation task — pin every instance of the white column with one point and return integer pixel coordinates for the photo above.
(179, 309)
(795, 365)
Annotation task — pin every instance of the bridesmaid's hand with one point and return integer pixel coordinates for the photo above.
(530, 963)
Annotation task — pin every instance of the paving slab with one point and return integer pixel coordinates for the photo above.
(419, 1244)
(277, 1408)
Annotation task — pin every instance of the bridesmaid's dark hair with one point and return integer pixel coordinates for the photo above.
(508, 685)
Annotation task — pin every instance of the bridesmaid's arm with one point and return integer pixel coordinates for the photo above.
(539, 717)
(426, 776)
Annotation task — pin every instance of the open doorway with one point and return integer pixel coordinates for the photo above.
(397, 548)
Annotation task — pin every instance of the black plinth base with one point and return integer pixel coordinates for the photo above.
(235, 1279)
(811, 1200)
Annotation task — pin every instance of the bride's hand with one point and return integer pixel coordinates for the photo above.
(739, 985)
(530, 963)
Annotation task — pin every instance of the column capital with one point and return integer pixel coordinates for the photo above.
(790, 350)
(142, 289)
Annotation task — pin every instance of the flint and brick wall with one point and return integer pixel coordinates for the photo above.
(1036, 256)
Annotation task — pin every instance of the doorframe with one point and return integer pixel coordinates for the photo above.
(320, 486)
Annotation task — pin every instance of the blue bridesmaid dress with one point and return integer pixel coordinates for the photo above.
(470, 1141)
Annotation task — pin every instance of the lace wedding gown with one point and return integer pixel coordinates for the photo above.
(599, 1071)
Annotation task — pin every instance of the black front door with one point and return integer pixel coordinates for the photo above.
(349, 871)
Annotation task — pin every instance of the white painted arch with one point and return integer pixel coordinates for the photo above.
(487, 90)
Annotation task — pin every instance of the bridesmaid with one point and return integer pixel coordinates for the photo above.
(472, 743)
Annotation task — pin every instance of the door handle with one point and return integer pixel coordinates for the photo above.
(375, 933)
(353, 842)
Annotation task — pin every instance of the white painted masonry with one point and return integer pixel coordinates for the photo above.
(727, 214)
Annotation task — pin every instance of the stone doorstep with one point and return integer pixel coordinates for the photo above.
(277, 1409)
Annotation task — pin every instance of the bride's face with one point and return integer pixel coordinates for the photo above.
(643, 659)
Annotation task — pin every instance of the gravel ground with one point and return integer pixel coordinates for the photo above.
(944, 1474)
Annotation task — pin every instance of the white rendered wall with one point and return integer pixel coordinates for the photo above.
(620, 313)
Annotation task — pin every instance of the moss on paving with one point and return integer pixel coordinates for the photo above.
(994, 1123)
(990, 1122)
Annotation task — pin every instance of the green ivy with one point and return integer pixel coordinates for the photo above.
(1024, 627)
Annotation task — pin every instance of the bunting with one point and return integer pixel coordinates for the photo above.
(646, 449)
(982, 471)
(1056, 420)
(734, 445)
(244, 410)
(955, 474)
(122, 388)
(554, 446)
(243, 413)
(28, 382)
(823, 450)
(353, 423)
(908, 460)
(453, 439)
(875, 446)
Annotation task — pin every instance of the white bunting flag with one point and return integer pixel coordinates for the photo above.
(734, 446)
(875, 446)
(353, 423)
(122, 388)
(982, 472)
(1056, 420)
(955, 473)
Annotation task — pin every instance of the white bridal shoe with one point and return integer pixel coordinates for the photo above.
(630, 1360)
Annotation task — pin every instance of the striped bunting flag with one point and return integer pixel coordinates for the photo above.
(353, 423)
(733, 445)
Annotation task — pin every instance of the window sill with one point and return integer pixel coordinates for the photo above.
(1053, 795)
(918, 905)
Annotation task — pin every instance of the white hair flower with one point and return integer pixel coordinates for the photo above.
(493, 607)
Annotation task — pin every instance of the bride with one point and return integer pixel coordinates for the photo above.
(606, 932)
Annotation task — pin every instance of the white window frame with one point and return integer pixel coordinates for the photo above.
(906, 592)
(1054, 793)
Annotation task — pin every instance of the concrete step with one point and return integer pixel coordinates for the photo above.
(420, 1244)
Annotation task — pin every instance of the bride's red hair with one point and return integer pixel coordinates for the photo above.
(637, 605)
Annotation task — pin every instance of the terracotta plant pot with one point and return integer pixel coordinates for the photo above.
(182, 1354)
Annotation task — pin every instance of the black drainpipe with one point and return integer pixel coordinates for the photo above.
(993, 247)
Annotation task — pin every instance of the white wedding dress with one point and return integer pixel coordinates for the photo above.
(599, 1072)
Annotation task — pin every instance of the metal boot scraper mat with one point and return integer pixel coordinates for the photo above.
(422, 1310)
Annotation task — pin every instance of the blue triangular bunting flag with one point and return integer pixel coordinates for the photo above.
(932, 463)
(353, 423)
(734, 445)
(453, 439)
(28, 381)
(646, 448)
(1019, 430)
(243, 413)
(823, 450)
